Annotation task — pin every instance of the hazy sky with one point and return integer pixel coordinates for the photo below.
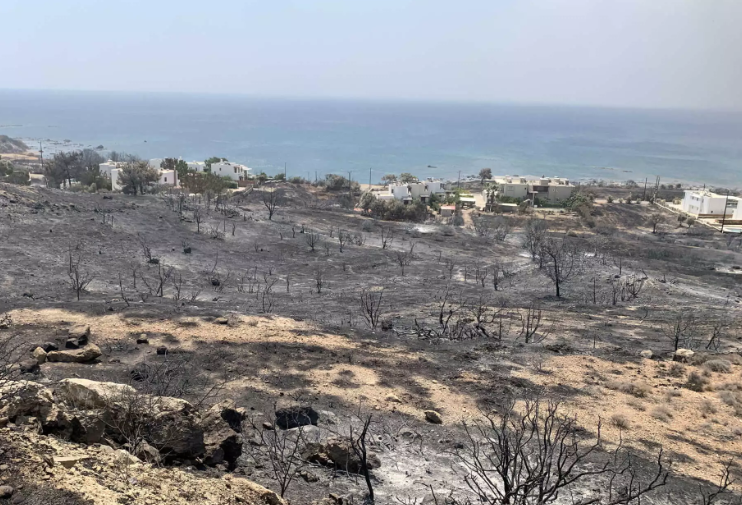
(648, 53)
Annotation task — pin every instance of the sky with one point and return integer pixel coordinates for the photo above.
(623, 53)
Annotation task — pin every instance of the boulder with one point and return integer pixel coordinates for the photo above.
(233, 415)
(6, 492)
(122, 459)
(49, 346)
(39, 355)
(140, 372)
(293, 417)
(162, 350)
(433, 417)
(342, 454)
(30, 365)
(87, 394)
(646, 354)
(86, 428)
(71, 343)
(147, 453)
(81, 334)
(223, 443)
(25, 398)
(85, 355)
(143, 339)
(393, 398)
(683, 355)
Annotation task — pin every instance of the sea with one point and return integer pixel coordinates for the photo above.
(368, 138)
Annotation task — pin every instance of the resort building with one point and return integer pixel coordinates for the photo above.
(547, 189)
(702, 203)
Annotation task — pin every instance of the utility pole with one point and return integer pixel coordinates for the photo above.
(458, 181)
(724, 216)
(644, 196)
(350, 188)
(369, 178)
(41, 156)
(316, 180)
(284, 170)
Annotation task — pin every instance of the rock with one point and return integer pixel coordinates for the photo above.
(6, 492)
(268, 426)
(647, 354)
(222, 442)
(328, 417)
(233, 415)
(682, 355)
(25, 398)
(293, 417)
(343, 456)
(393, 399)
(87, 394)
(86, 428)
(85, 355)
(143, 339)
(49, 346)
(221, 320)
(80, 333)
(30, 365)
(123, 459)
(315, 452)
(147, 453)
(71, 343)
(433, 417)
(67, 461)
(140, 372)
(308, 476)
(162, 350)
(39, 354)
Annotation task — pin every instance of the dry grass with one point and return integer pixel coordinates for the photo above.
(708, 408)
(637, 404)
(718, 366)
(620, 421)
(637, 389)
(697, 382)
(662, 413)
(677, 370)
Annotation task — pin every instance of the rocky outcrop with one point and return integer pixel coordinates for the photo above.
(339, 453)
(293, 417)
(92, 412)
(85, 355)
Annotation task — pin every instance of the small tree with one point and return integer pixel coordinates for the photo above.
(407, 177)
(371, 306)
(389, 179)
(312, 239)
(534, 233)
(655, 220)
(367, 201)
(387, 236)
(681, 329)
(530, 456)
(404, 257)
(271, 200)
(135, 176)
(485, 173)
(561, 260)
(79, 277)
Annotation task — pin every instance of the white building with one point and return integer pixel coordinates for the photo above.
(234, 171)
(406, 193)
(703, 203)
(550, 189)
(197, 166)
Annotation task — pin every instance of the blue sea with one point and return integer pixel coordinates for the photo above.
(428, 139)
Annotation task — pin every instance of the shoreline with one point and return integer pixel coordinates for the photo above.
(53, 146)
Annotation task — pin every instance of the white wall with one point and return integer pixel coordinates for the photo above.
(115, 180)
(234, 171)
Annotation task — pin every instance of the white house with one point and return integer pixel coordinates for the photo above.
(197, 166)
(422, 191)
(234, 171)
(707, 204)
(551, 189)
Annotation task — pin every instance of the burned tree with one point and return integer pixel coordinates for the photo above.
(530, 456)
(404, 257)
(79, 277)
(387, 236)
(271, 200)
(681, 329)
(312, 240)
(371, 306)
(560, 259)
(534, 234)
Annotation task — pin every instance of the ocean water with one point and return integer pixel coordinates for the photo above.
(427, 139)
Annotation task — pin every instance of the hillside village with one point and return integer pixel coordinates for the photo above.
(184, 338)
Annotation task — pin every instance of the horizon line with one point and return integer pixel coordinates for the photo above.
(350, 98)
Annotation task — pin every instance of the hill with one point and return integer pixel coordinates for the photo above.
(12, 146)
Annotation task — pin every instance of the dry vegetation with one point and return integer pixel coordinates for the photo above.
(284, 298)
